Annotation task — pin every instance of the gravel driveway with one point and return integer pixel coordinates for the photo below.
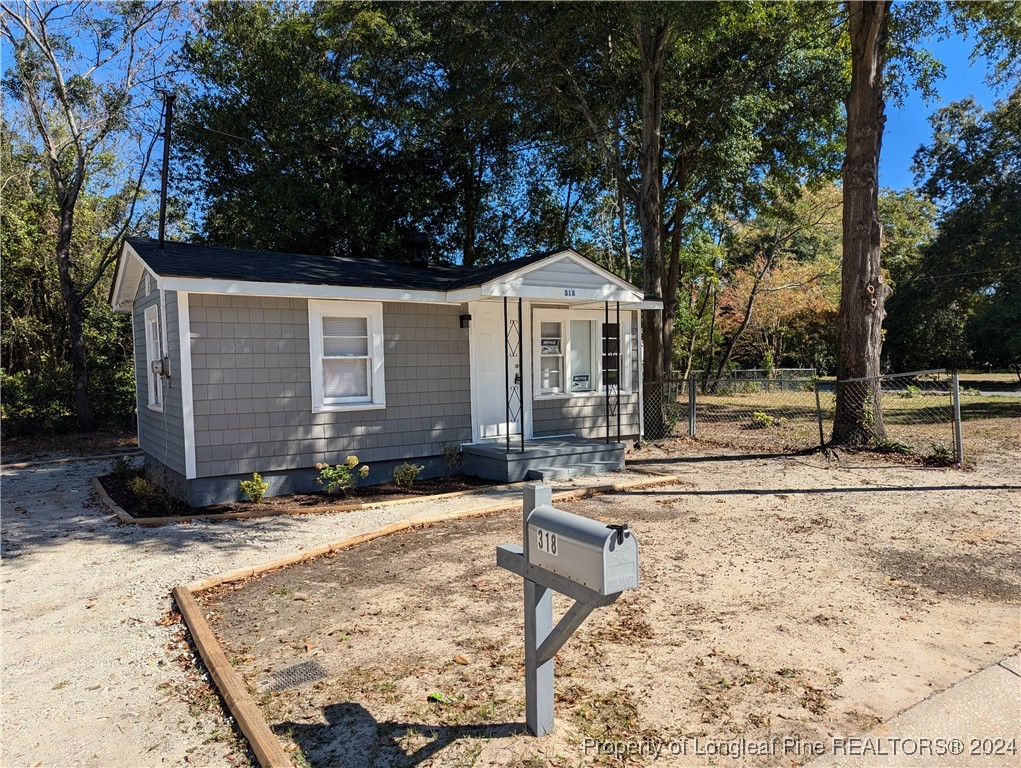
(88, 677)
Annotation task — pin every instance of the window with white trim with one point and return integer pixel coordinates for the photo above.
(346, 350)
(153, 358)
(567, 358)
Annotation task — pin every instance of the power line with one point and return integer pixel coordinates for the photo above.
(959, 274)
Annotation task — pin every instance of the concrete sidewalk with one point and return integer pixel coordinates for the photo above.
(973, 724)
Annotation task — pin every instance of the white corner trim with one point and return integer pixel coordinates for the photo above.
(187, 394)
(473, 371)
(641, 381)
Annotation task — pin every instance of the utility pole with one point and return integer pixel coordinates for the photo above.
(168, 116)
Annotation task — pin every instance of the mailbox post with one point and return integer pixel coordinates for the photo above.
(583, 559)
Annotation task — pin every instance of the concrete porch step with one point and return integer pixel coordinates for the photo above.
(574, 470)
(543, 459)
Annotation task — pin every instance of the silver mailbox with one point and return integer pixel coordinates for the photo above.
(602, 557)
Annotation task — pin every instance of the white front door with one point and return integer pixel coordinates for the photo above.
(494, 371)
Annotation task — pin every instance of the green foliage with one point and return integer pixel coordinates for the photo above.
(960, 303)
(453, 459)
(762, 420)
(338, 478)
(911, 391)
(141, 486)
(893, 446)
(941, 454)
(255, 488)
(34, 340)
(405, 474)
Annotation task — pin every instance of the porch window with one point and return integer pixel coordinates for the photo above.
(568, 352)
(346, 346)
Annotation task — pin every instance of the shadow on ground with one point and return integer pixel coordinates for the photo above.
(352, 738)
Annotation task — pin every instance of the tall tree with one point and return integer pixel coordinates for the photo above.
(687, 106)
(85, 76)
(864, 291)
(960, 303)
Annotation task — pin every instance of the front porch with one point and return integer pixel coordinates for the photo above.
(541, 458)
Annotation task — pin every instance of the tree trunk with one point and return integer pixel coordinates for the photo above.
(863, 293)
(76, 315)
(748, 311)
(622, 223)
(651, 43)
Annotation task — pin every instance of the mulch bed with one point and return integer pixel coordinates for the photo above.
(160, 504)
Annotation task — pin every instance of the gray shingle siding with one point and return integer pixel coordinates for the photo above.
(586, 416)
(251, 375)
(160, 434)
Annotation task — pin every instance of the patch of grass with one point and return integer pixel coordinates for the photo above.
(611, 714)
(894, 446)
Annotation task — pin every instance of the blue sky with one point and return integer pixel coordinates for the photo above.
(907, 127)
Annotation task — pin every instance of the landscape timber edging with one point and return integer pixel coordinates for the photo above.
(264, 743)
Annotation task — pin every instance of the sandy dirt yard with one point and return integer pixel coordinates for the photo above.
(96, 668)
(780, 597)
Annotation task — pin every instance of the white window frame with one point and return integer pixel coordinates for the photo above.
(154, 382)
(596, 318)
(372, 312)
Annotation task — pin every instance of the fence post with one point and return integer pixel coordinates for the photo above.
(692, 426)
(956, 396)
(818, 414)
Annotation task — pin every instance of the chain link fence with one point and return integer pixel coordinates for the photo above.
(795, 414)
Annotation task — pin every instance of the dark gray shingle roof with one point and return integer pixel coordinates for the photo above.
(211, 262)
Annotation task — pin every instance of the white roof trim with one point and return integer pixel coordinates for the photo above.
(116, 295)
(299, 290)
(565, 255)
(615, 289)
(496, 289)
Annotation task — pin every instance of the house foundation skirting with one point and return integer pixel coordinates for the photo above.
(206, 491)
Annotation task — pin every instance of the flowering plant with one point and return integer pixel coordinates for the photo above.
(338, 478)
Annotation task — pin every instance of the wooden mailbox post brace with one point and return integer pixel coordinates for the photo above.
(542, 638)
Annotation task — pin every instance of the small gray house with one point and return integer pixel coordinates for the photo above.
(249, 361)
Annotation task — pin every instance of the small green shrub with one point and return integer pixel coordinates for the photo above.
(255, 488)
(452, 458)
(761, 420)
(911, 391)
(143, 487)
(338, 478)
(405, 474)
(941, 455)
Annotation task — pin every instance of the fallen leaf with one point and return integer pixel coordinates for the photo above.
(461, 660)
